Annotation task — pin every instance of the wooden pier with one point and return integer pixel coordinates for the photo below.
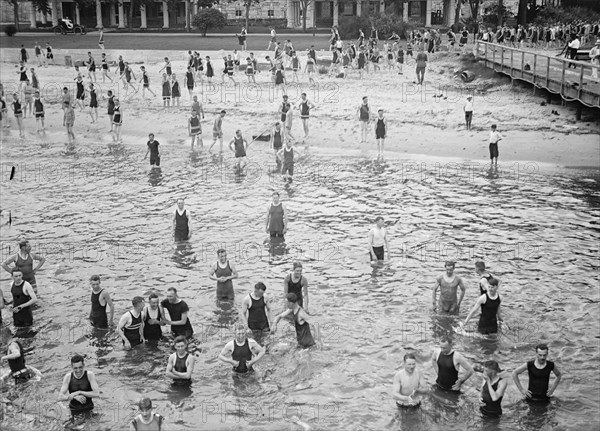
(545, 71)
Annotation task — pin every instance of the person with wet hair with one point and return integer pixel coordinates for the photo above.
(492, 390)
(147, 419)
(448, 284)
(301, 321)
(539, 370)
(409, 383)
(446, 364)
(242, 352)
(23, 260)
(79, 387)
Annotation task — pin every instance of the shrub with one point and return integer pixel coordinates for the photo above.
(384, 23)
(10, 30)
(207, 19)
(348, 26)
(549, 14)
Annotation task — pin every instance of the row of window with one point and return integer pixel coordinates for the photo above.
(270, 12)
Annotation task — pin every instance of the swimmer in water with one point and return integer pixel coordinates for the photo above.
(256, 311)
(223, 272)
(242, 352)
(100, 300)
(182, 222)
(181, 363)
(16, 361)
(24, 260)
(301, 321)
(492, 390)
(23, 298)
(538, 370)
(377, 240)
(409, 383)
(79, 387)
(131, 325)
(446, 364)
(448, 284)
(489, 303)
(147, 419)
(178, 314)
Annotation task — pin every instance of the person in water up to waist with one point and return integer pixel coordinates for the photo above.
(223, 272)
(15, 356)
(242, 352)
(446, 364)
(100, 300)
(182, 222)
(296, 283)
(256, 311)
(178, 314)
(539, 371)
(23, 298)
(79, 387)
(377, 240)
(24, 261)
(492, 390)
(409, 383)
(181, 363)
(131, 325)
(277, 221)
(489, 303)
(147, 420)
(448, 285)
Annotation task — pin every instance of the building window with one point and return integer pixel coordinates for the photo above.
(270, 13)
(238, 12)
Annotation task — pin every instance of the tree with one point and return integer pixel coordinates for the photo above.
(522, 16)
(474, 4)
(304, 4)
(15, 5)
(207, 19)
(133, 4)
(247, 5)
(41, 5)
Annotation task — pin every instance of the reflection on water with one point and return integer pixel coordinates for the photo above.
(101, 210)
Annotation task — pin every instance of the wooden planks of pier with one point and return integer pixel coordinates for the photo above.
(545, 71)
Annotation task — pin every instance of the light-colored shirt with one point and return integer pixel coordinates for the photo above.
(468, 106)
(495, 137)
(575, 44)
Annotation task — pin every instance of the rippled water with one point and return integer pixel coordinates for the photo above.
(101, 210)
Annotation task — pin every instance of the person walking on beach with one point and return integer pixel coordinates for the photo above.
(178, 314)
(145, 79)
(380, 132)
(147, 419)
(100, 300)
(273, 39)
(421, 65)
(495, 137)
(101, 39)
(79, 387)
(448, 284)
(153, 151)
(468, 109)
(218, 131)
(256, 311)
(93, 103)
(180, 365)
(131, 325)
(223, 272)
(110, 109)
(38, 110)
(242, 38)
(49, 54)
(182, 222)
(305, 106)
(18, 112)
(378, 240)
(364, 114)
(38, 53)
(446, 364)
(242, 352)
(409, 383)
(24, 260)
(539, 370)
(117, 121)
(91, 65)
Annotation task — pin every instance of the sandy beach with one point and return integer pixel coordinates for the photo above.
(424, 119)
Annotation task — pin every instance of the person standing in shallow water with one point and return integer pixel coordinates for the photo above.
(147, 419)
(301, 321)
(539, 370)
(182, 222)
(223, 272)
(178, 314)
(489, 303)
(446, 364)
(296, 283)
(276, 218)
(100, 300)
(256, 311)
(181, 363)
(152, 319)
(24, 261)
(408, 383)
(131, 325)
(242, 352)
(492, 390)
(79, 387)
(377, 240)
(23, 298)
(448, 284)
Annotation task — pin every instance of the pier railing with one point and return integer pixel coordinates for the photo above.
(550, 72)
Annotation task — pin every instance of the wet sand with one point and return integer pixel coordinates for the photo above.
(419, 122)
